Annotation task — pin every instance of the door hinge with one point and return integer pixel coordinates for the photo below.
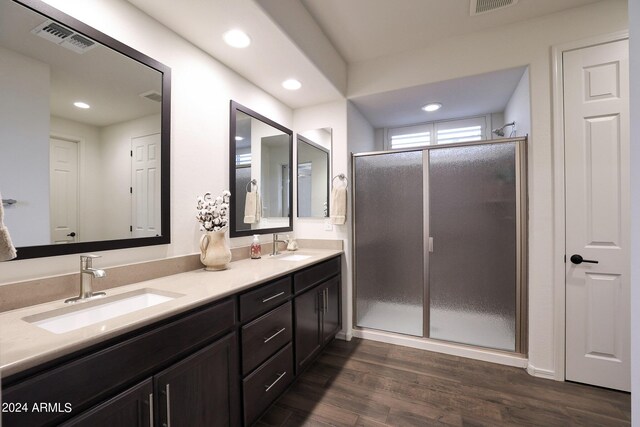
(131, 190)
(131, 228)
(565, 258)
(131, 153)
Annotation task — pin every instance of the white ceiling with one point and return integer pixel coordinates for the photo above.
(271, 58)
(367, 29)
(465, 97)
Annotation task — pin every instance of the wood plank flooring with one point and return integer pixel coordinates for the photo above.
(371, 384)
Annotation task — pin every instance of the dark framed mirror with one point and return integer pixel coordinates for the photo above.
(313, 177)
(260, 173)
(84, 136)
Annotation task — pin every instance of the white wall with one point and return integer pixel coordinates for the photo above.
(115, 148)
(330, 115)
(634, 55)
(518, 108)
(524, 43)
(24, 136)
(90, 209)
(201, 90)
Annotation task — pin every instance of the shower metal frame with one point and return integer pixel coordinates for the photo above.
(521, 175)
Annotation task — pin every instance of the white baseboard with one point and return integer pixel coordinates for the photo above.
(442, 347)
(541, 373)
(344, 336)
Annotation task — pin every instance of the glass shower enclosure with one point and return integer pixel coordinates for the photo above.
(439, 242)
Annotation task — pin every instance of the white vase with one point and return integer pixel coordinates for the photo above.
(214, 250)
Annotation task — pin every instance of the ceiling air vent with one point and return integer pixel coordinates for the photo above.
(478, 7)
(64, 37)
(152, 95)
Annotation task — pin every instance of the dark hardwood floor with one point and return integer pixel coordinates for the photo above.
(366, 383)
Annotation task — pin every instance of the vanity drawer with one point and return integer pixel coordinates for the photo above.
(316, 274)
(262, 299)
(91, 378)
(262, 337)
(266, 384)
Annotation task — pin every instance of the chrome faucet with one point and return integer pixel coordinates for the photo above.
(87, 273)
(275, 244)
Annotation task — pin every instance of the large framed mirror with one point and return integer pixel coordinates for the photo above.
(84, 136)
(314, 173)
(260, 173)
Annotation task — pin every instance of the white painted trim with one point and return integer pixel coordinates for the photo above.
(558, 193)
(443, 347)
(344, 336)
(541, 373)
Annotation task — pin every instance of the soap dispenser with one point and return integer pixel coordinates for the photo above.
(256, 248)
(292, 245)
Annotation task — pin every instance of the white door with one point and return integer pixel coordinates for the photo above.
(63, 183)
(596, 112)
(145, 186)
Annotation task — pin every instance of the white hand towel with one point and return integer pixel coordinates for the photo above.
(7, 250)
(252, 208)
(338, 205)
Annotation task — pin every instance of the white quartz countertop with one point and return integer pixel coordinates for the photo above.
(24, 345)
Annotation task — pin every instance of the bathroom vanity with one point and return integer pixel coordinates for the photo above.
(219, 353)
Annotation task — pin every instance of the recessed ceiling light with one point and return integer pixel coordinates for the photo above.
(291, 84)
(239, 138)
(82, 105)
(237, 38)
(435, 106)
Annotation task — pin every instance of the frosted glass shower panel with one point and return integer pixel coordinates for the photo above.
(389, 242)
(472, 269)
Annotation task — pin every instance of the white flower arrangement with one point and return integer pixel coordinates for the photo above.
(213, 214)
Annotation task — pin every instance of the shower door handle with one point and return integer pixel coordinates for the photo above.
(577, 259)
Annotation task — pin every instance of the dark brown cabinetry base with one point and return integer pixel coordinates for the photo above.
(222, 364)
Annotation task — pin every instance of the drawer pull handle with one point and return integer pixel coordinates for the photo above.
(266, 340)
(150, 409)
(272, 297)
(268, 387)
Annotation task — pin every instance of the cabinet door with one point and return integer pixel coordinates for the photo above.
(308, 333)
(130, 408)
(331, 309)
(201, 390)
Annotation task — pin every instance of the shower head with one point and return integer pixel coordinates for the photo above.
(500, 131)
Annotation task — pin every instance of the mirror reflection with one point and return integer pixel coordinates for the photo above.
(261, 182)
(314, 157)
(80, 135)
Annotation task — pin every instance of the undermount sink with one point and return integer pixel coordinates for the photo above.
(294, 257)
(78, 316)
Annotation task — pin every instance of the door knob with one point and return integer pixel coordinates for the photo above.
(577, 259)
(72, 234)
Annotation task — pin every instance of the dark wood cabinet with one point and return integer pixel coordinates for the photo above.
(307, 336)
(318, 319)
(131, 408)
(332, 311)
(193, 369)
(201, 390)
